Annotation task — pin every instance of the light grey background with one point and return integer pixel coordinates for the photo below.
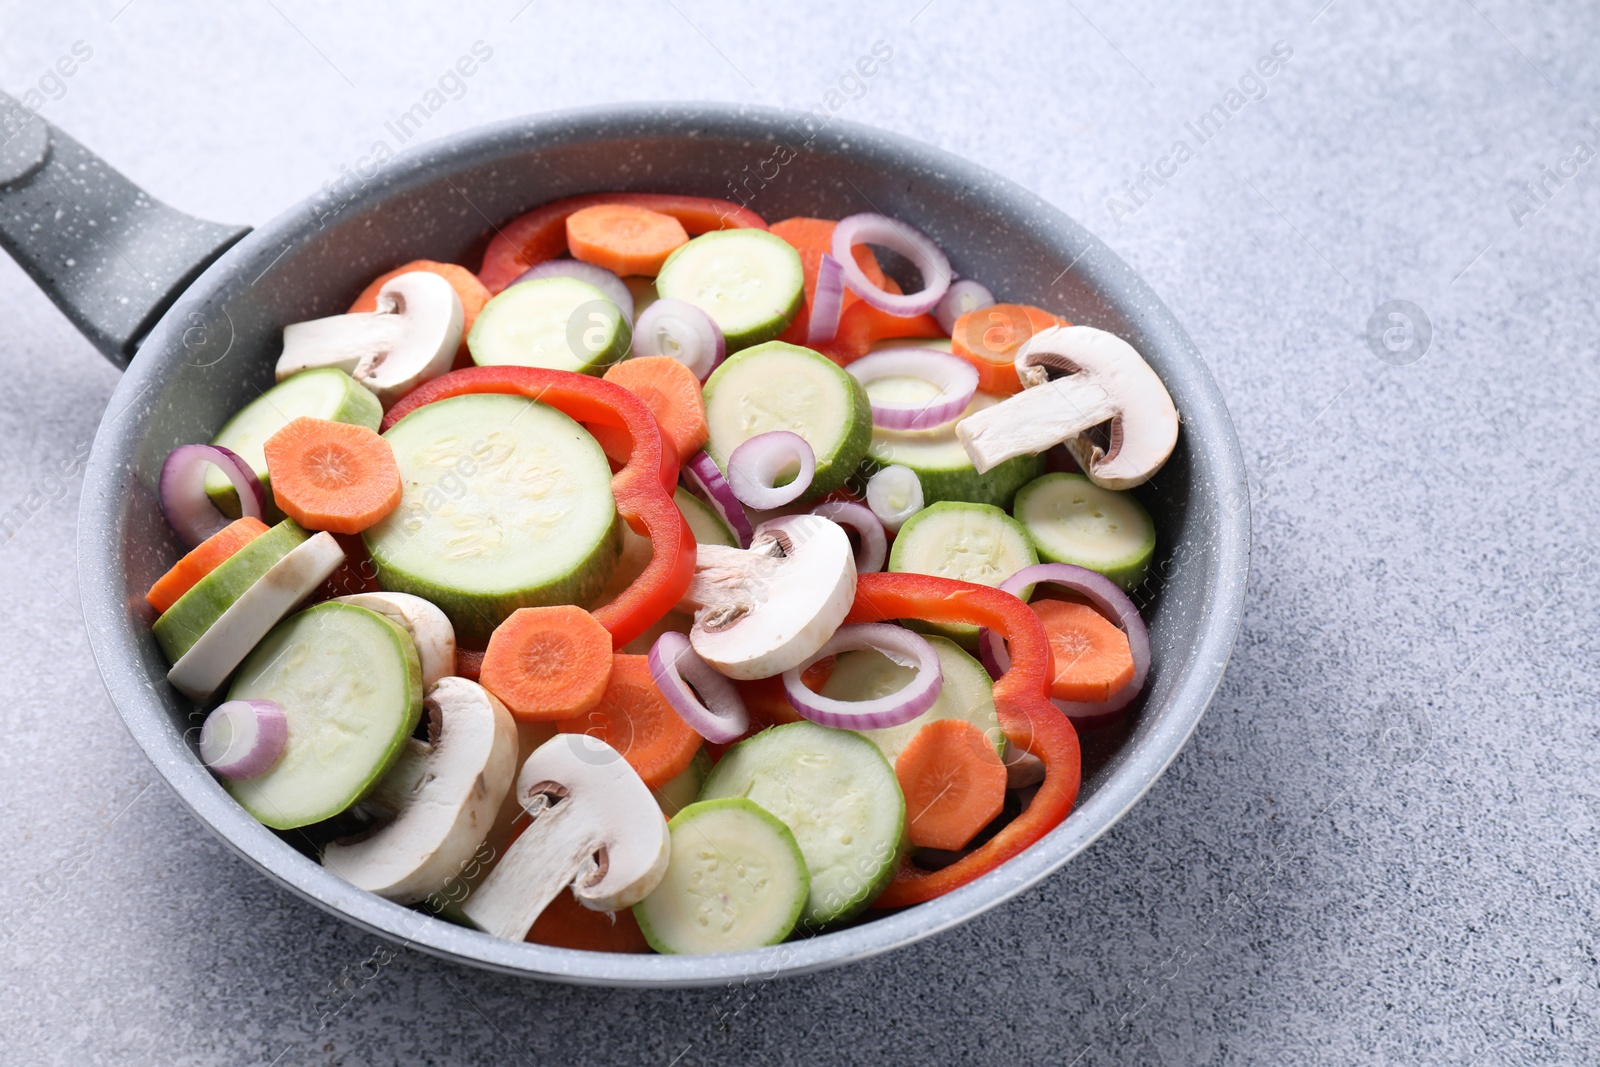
(1380, 846)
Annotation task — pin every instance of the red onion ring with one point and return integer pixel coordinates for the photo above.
(706, 482)
(881, 491)
(611, 287)
(678, 329)
(182, 490)
(956, 379)
(900, 645)
(827, 302)
(754, 467)
(873, 548)
(1106, 598)
(243, 738)
(962, 296)
(868, 228)
(713, 708)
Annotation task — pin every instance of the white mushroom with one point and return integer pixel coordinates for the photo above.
(595, 826)
(1104, 380)
(762, 610)
(428, 626)
(441, 796)
(411, 338)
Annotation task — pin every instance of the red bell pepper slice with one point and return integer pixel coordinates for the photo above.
(861, 324)
(541, 234)
(1021, 696)
(642, 488)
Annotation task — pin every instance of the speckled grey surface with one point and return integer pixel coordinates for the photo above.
(1380, 845)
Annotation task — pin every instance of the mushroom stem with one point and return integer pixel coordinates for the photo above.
(1034, 420)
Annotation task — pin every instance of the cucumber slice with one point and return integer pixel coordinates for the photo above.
(350, 684)
(967, 693)
(506, 503)
(941, 464)
(181, 625)
(706, 525)
(327, 393)
(750, 282)
(736, 880)
(682, 790)
(970, 542)
(560, 323)
(838, 796)
(1072, 520)
(778, 386)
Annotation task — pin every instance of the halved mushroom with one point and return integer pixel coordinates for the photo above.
(410, 339)
(428, 626)
(1105, 381)
(441, 797)
(761, 610)
(595, 826)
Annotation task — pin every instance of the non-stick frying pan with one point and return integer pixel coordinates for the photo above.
(194, 310)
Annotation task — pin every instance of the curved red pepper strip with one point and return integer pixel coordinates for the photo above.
(541, 234)
(1021, 696)
(642, 488)
(861, 325)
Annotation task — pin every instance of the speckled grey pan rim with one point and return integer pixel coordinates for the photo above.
(214, 351)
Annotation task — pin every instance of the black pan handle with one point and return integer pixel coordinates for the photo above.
(111, 257)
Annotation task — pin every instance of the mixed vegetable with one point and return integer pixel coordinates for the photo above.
(674, 582)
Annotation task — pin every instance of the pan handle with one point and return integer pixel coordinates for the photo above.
(112, 258)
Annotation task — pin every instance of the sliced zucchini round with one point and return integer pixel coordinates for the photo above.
(1072, 520)
(559, 323)
(506, 503)
(941, 464)
(750, 282)
(969, 542)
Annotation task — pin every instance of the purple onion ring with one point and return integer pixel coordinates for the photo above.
(182, 491)
(896, 642)
(713, 708)
(868, 228)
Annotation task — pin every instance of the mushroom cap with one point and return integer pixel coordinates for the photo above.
(427, 346)
(444, 792)
(427, 624)
(595, 826)
(411, 338)
(1144, 423)
(768, 608)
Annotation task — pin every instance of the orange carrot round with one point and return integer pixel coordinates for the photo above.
(811, 238)
(1091, 654)
(623, 238)
(988, 338)
(672, 393)
(636, 720)
(565, 923)
(204, 558)
(332, 476)
(953, 781)
(472, 292)
(547, 663)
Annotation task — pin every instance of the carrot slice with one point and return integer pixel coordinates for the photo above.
(541, 234)
(636, 720)
(1091, 654)
(565, 923)
(953, 781)
(811, 238)
(672, 393)
(472, 292)
(861, 324)
(989, 338)
(624, 238)
(204, 558)
(547, 663)
(332, 475)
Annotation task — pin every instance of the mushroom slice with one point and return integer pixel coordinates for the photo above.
(1104, 380)
(441, 794)
(595, 826)
(410, 339)
(761, 610)
(428, 626)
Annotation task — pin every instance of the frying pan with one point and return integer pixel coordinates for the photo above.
(194, 311)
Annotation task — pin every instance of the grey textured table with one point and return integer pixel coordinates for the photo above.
(1380, 845)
